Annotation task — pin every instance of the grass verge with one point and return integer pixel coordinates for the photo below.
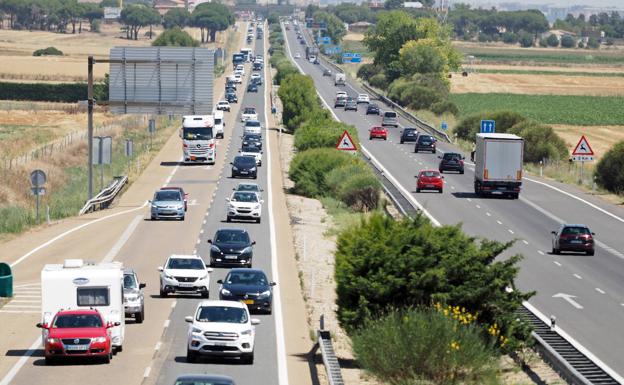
(547, 109)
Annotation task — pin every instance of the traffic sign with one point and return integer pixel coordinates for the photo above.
(326, 40)
(37, 178)
(583, 151)
(346, 143)
(444, 126)
(488, 126)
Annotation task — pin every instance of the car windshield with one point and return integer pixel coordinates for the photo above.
(231, 237)
(451, 156)
(372, 107)
(197, 133)
(248, 187)
(250, 149)
(227, 314)
(390, 115)
(168, 195)
(246, 278)
(252, 123)
(430, 174)
(202, 382)
(244, 197)
(576, 230)
(186, 264)
(67, 321)
(249, 111)
(244, 161)
(425, 138)
(129, 281)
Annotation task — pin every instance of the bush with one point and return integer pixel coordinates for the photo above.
(484, 38)
(441, 107)
(355, 184)
(96, 25)
(510, 38)
(568, 41)
(383, 264)
(552, 40)
(424, 346)
(610, 169)
(413, 94)
(175, 37)
(543, 43)
(44, 92)
(50, 51)
(526, 40)
(540, 142)
(468, 127)
(593, 43)
(299, 100)
(366, 71)
(309, 169)
(322, 131)
(379, 81)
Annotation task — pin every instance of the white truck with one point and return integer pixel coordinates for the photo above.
(76, 284)
(198, 142)
(498, 164)
(340, 79)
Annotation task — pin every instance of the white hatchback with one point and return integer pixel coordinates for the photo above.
(252, 127)
(363, 98)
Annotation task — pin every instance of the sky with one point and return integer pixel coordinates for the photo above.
(603, 3)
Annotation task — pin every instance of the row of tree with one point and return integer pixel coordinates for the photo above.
(48, 15)
(612, 24)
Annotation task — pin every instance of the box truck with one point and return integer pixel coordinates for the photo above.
(198, 142)
(340, 79)
(76, 285)
(498, 164)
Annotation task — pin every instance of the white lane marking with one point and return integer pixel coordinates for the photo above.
(577, 198)
(201, 231)
(578, 276)
(198, 241)
(193, 202)
(27, 296)
(175, 169)
(499, 222)
(10, 306)
(525, 241)
(599, 290)
(147, 371)
(469, 200)
(541, 252)
(557, 263)
(18, 365)
(158, 345)
(204, 222)
(194, 251)
(488, 214)
(477, 206)
(173, 304)
(13, 301)
(20, 312)
(28, 285)
(282, 369)
(166, 324)
(123, 239)
(510, 231)
(66, 233)
(453, 187)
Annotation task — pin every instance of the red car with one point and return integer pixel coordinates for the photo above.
(78, 333)
(429, 180)
(378, 132)
(181, 190)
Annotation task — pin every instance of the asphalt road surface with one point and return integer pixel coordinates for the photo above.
(597, 282)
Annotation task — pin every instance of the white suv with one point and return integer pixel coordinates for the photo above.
(184, 274)
(221, 328)
(252, 127)
(244, 205)
(252, 151)
(249, 113)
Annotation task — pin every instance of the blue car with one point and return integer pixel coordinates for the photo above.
(231, 97)
(167, 204)
(250, 286)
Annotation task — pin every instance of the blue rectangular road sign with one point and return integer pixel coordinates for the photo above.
(488, 126)
(352, 57)
(326, 40)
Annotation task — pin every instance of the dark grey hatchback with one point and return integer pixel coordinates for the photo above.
(231, 247)
(250, 286)
(244, 166)
(408, 135)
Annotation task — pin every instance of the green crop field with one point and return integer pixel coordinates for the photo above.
(548, 109)
(542, 72)
(562, 56)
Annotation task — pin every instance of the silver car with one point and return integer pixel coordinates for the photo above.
(389, 118)
(134, 304)
(167, 204)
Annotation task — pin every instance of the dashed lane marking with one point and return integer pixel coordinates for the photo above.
(578, 276)
(557, 263)
(599, 290)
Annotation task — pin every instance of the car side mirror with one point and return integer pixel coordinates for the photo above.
(160, 268)
(272, 284)
(227, 199)
(231, 163)
(117, 323)
(209, 269)
(593, 233)
(149, 201)
(255, 321)
(209, 241)
(253, 242)
(416, 176)
(439, 157)
(188, 318)
(261, 190)
(42, 325)
(142, 285)
(261, 200)
(463, 157)
(553, 232)
(220, 281)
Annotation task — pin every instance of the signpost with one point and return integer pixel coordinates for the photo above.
(444, 126)
(102, 154)
(583, 153)
(37, 180)
(488, 126)
(346, 143)
(351, 57)
(129, 150)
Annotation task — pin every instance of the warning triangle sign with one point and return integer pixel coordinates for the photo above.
(583, 147)
(346, 143)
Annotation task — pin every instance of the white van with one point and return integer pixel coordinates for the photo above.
(76, 284)
(219, 123)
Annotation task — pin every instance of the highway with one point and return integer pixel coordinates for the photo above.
(154, 352)
(597, 282)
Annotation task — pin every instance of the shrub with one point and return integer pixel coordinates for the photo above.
(424, 346)
(593, 43)
(413, 94)
(322, 131)
(510, 38)
(552, 40)
(96, 25)
(366, 71)
(355, 184)
(50, 51)
(45, 92)
(379, 81)
(468, 127)
(441, 107)
(540, 142)
(484, 38)
(412, 263)
(543, 43)
(299, 100)
(175, 37)
(526, 40)
(309, 169)
(284, 69)
(580, 44)
(568, 41)
(610, 169)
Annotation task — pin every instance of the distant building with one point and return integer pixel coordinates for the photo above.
(194, 3)
(164, 6)
(412, 4)
(360, 26)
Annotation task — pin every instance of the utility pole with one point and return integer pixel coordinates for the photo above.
(90, 124)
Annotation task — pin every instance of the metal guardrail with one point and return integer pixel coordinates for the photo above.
(332, 366)
(105, 197)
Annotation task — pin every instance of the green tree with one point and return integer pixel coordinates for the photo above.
(109, 3)
(568, 41)
(593, 43)
(335, 26)
(421, 56)
(393, 4)
(526, 40)
(175, 37)
(91, 12)
(176, 17)
(134, 17)
(552, 40)
(610, 169)
(298, 95)
(211, 18)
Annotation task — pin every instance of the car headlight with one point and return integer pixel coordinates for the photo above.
(215, 249)
(225, 292)
(132, 297)
(196, 330)
(234, 168)
(265, 294)
(154, 206)
(246, 332)
(252, 169)
(203, 277)
(246, 250)
(167, 276)
(53, 340)
(257, 207)
(99, 340)
(232, 207)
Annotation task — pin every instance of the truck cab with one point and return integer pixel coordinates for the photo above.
(340, 79)
(198, 142)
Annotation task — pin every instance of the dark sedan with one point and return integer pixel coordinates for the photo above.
(231, 97)
(372, 109)
(573, 237)
(203, 379)
(451, 161)
(425, 142)
(254, 140)
(252, 87)
(251, 286)
(244, 166)
(231, 247)
(408, 135)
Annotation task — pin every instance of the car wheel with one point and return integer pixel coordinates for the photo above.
(248, 358)
(119, 349)
(590, 252)
(191, 356)
(182, 218)
(205, 294)
(107, 358)
(163, 294)
(153, 218)
(138, 317)
(461, 171)
(232, 176)
(370, 138)
(386, 138)
(228, 219)
(401, 141)
(248, 265)
(556, 251)
(258, 220)
(417, 190)
(440, 191)
(255, 176)
(416, 150)
(269, 310)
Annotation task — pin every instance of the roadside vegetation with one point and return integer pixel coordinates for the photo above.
(553, 73)
(610, 170)
(510, 55)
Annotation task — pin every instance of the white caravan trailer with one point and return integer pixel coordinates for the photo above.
(76, 284)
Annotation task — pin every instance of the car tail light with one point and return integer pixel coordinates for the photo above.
(184, 145)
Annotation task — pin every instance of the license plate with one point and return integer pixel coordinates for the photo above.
(244, 172)
(248, 301)
(77, 347)
(186, 285)
(217, 343)
(497, 192)
(576, 241)
(429, 185)
(231, 257)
